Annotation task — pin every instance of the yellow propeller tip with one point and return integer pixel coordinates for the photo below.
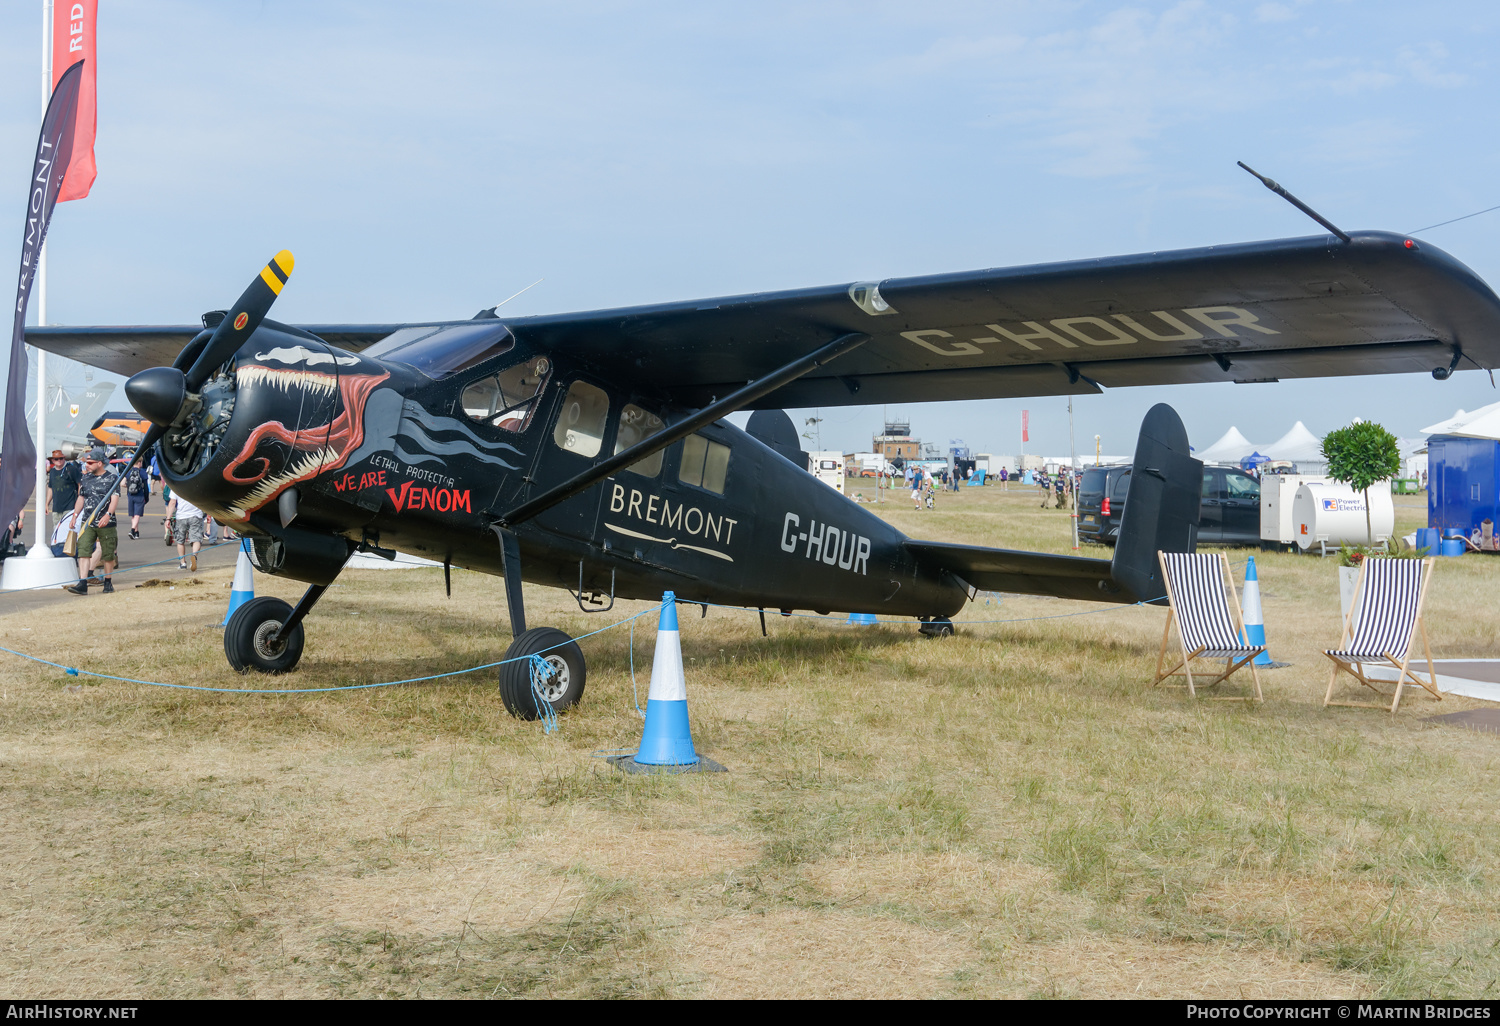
(286, 261)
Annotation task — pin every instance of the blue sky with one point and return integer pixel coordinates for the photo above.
(429, 159)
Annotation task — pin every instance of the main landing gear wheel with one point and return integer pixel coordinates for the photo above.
(936, 627)
(561, 687)
(247, 637)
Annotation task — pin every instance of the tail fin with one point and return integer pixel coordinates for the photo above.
(1161, 508)
(74, 427)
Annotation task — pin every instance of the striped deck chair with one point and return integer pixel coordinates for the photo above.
(1199, 603)
(1388, 599)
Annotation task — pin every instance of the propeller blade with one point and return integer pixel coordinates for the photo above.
(242, 319)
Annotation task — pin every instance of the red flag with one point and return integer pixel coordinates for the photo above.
(1025, 415)
(73, 41)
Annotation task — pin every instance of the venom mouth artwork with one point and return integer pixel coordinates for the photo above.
(274, 420)
(321, 440)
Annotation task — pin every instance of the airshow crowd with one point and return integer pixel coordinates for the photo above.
(86, 498)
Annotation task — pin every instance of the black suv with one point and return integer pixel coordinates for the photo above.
(1229, 515)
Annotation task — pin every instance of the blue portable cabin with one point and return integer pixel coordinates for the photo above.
(1463, 482)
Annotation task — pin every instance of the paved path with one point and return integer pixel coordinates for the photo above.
(134, 556)
(1472, 678)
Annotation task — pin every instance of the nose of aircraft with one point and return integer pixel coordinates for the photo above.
(157, 394)
(160, 393)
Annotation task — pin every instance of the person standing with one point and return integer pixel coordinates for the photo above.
(1004, 479)
(188, 530)
(62, 484)
(137, 492)
(98, 495)
(166, 498)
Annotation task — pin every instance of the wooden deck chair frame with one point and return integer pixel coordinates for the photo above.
(1354, 666)
(1243, 656)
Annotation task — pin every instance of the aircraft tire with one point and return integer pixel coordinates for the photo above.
(245, 637)
(937, 627)
(562, 691)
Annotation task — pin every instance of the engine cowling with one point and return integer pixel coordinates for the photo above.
(286, 409)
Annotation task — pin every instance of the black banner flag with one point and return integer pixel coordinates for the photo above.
(54, 151)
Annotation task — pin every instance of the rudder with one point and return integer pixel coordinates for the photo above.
(1161, 507)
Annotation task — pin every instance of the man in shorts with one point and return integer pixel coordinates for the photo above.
(137, 492)
(98, 495)
(188, 530)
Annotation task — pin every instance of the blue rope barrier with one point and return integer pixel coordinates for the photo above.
(75, 672)
(541, 672)
(540, 669)
(635, 695)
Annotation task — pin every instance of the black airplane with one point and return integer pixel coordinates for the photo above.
(588, 451)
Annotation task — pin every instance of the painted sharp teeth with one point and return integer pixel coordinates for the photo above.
(308, 465)
(287, 379)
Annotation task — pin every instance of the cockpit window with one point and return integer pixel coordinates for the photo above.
(508, 399)
(637, 425)
(580, 425)
(441, 351)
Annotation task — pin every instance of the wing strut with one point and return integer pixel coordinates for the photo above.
(659, 441)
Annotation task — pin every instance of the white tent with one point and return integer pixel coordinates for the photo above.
(1232, 448)
(1299, 446)
(1482, 423)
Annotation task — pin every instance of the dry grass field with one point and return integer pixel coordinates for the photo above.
(1011, 812)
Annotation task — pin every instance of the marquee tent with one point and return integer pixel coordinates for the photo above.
(1482, 423)
(1299, 446)
(1232, 448)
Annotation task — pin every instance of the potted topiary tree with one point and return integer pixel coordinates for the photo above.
(1360, 455)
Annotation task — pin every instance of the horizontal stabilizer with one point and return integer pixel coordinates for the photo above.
(1023, 573)
(1161, 515)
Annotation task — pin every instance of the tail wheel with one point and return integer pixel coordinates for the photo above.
(247, 637)
(560, 675)
(937, 627)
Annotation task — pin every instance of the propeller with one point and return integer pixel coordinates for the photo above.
(166, 396)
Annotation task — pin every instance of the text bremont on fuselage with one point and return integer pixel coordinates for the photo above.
(663, 512)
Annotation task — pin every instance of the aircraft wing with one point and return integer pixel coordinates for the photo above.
(129, 349)
(1303, 307)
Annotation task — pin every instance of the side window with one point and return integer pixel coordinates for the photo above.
(508, 399)
(580, 425)
(704, 463)
(1122, 486)
(1213, 485)
(637, 425)
(1243, 487)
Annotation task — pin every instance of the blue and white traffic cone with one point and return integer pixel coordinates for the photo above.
(667, 739)
(1255, 624)
(862, 620)
(243, 589)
